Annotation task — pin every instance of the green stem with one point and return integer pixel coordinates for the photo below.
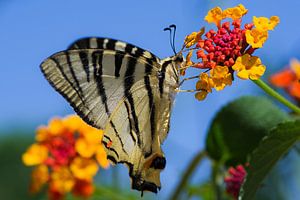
(187, 174)
(216, 181)
(276, 95)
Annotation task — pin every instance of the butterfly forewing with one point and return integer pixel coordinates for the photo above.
(115, 45)
(124, 90)
(87, 79)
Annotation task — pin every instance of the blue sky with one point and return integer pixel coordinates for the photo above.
(32, 30)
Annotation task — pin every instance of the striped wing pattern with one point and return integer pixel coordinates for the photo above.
(125, 90)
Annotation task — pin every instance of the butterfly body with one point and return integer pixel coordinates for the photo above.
(124, 90)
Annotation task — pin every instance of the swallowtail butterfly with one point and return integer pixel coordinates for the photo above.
(124, 90)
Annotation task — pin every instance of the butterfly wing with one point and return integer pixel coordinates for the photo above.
(117, 87)
(136, 141)
(111, 44)
(87, 79)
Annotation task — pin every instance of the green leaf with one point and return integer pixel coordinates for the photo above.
(205, 191)
(104, 192)
(238, 128)
(266, 155)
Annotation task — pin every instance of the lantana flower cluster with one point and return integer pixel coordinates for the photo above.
(288, 79)
(234, 180)
(228, 49)
(66, 156)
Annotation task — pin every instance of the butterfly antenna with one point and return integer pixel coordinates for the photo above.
(170, 30)
(173, 26)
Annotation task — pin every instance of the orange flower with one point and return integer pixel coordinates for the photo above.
(221, 77)
(215, 15)
(39, 176)
(83, 168)
(288, 79)
(283, 78)
(229, 49)
(62, 180)
(193, 38)
(256, 38)
(67, 155)
(35, 154)
(235, 12)
(265, 24)
(101, 158)
(249, 67)
(83, 188)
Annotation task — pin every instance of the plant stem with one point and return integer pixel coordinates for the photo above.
(276, 95)
(187, 174)
(216, 181)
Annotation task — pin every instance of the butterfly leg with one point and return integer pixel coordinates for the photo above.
(186, 79)
(178, 90)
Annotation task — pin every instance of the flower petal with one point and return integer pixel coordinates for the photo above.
(283, 78)
(84, 168)
(35, 154)
(201, 95)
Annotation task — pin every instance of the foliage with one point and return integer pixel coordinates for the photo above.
(267, 154)
(238, 128)
(14, 176)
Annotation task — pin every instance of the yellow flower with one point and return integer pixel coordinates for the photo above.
(73, 123)
(84, 168)
(201, 95)
(62, 180)
(265, 24)
(87, 144)
(189, 62)
(39, 177)
(91, 134)
(101, 157)
(205, 83)
(35, 154)
(249, 67)
(84, 148)
(274, 21)
(193, 38)
(56, 126)
(221, 77)
(42, 134)
(256, 38)
(215, 15)
(235, 12)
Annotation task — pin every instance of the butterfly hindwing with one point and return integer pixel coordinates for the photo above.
(137, 143)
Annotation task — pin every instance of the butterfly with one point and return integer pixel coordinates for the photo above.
(124, 90)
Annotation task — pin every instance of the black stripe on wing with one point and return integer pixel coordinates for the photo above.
(97, 57)
(72, 71)
(148, 69)
(128, 83)
(130, 122)
(85, 63)
(112, 44)
(163, 76)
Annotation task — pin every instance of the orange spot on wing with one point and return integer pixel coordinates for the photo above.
(109, 144)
